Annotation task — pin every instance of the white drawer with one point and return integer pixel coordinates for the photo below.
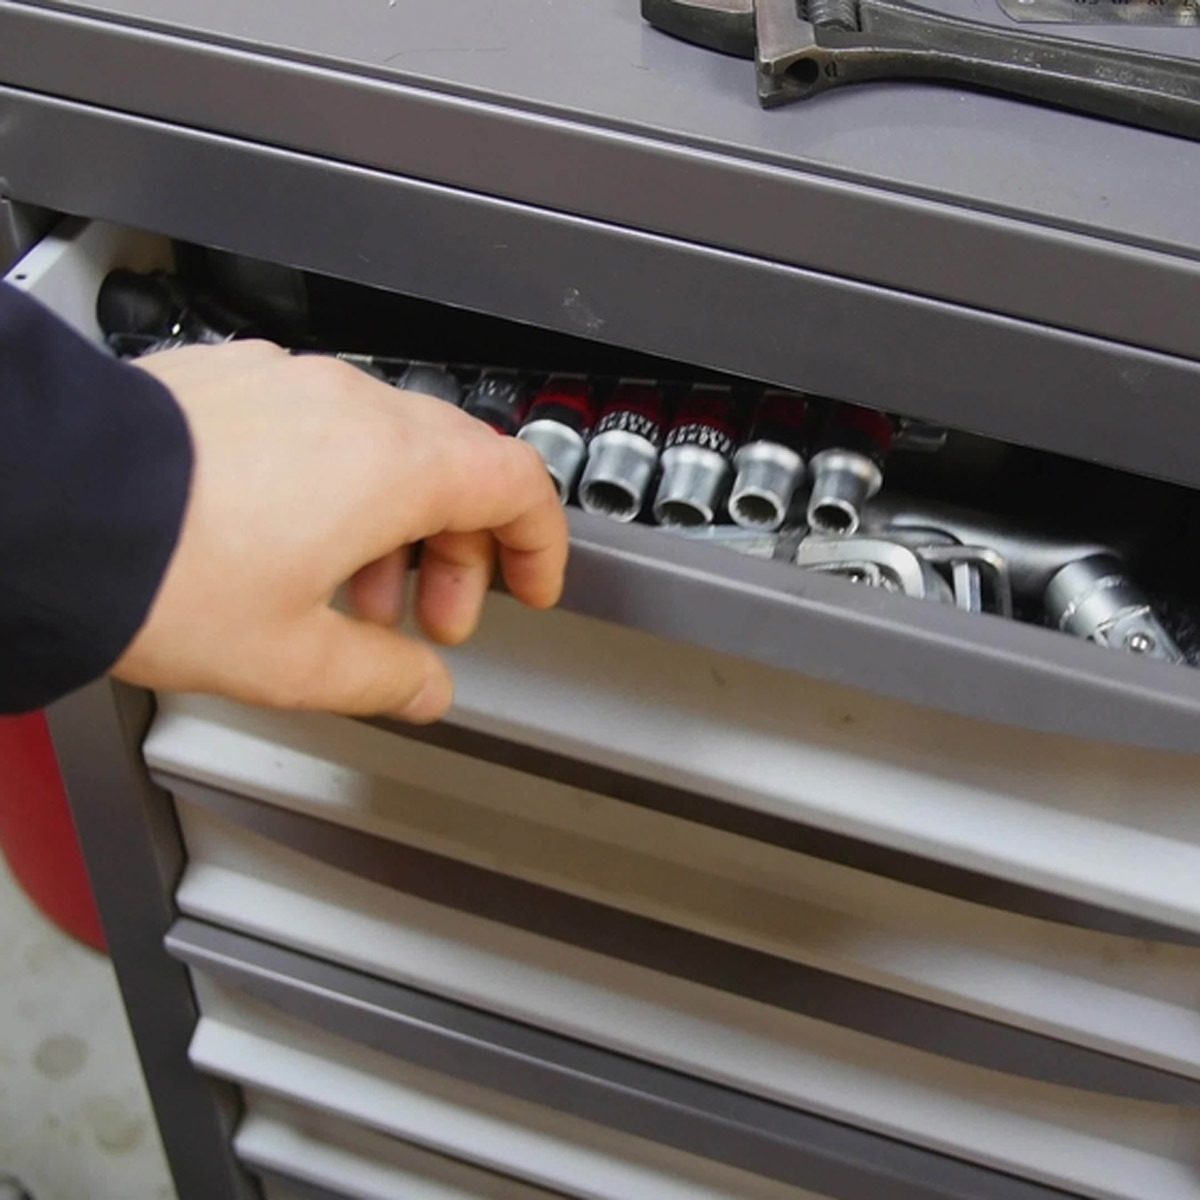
(1108, 825)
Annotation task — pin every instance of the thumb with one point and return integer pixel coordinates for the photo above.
(361, 669)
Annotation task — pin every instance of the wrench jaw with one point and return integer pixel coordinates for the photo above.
(796, 58)
(787, 57)
(771, 32)
(723, 25)
(793, 58)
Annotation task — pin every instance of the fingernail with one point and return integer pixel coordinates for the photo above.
(431, 703)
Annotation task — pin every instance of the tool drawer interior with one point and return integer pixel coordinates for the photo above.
(837, 838)
(732, 513)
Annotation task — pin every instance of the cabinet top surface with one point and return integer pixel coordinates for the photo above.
(596, 61)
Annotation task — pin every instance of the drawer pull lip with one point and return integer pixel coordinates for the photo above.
(948, 879)
(934, 656)
(700, 958)
(622, 1093)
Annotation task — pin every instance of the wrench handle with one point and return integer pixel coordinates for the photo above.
(897, 40)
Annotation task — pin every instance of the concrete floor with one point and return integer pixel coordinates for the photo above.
(75, 1123)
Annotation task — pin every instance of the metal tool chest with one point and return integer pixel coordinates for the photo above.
(725, 880)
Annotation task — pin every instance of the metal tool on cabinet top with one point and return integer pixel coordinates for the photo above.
(804, 47)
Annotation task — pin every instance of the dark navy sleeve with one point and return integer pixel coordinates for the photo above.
(95, 469)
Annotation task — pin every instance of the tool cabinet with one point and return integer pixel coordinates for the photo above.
(725, 879)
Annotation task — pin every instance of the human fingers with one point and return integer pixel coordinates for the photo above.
(377, 590)
(340, 664)
(456, 571)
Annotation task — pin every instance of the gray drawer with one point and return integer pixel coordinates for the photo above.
(487, 1093)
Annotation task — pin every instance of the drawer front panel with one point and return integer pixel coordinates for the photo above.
(296, 1148)
(1123, 996)
(1073, 1137)
(1082, 819)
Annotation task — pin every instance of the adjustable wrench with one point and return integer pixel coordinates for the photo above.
(804, 47)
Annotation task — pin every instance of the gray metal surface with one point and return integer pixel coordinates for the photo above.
(972, 210)
(698, 958)
(1024, 383)
(599, 63)
(621, 1093)
(134, 856)
(1183, 13)
(932, 655)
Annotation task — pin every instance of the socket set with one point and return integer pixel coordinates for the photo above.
(763, 472)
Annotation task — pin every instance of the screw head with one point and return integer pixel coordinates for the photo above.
(1140, 642)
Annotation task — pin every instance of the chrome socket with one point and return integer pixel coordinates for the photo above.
(693, 486)
(563, 450)
(498, 400)
(768, 477)
(1093, 598)
(428, 380)
(843, 482)
(620, 466)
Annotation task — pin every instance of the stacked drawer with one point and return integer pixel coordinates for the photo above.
(496, 971)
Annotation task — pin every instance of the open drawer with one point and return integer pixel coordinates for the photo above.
(920, 653)
(811, 699)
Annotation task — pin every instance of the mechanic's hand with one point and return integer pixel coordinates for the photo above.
(310, 474)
